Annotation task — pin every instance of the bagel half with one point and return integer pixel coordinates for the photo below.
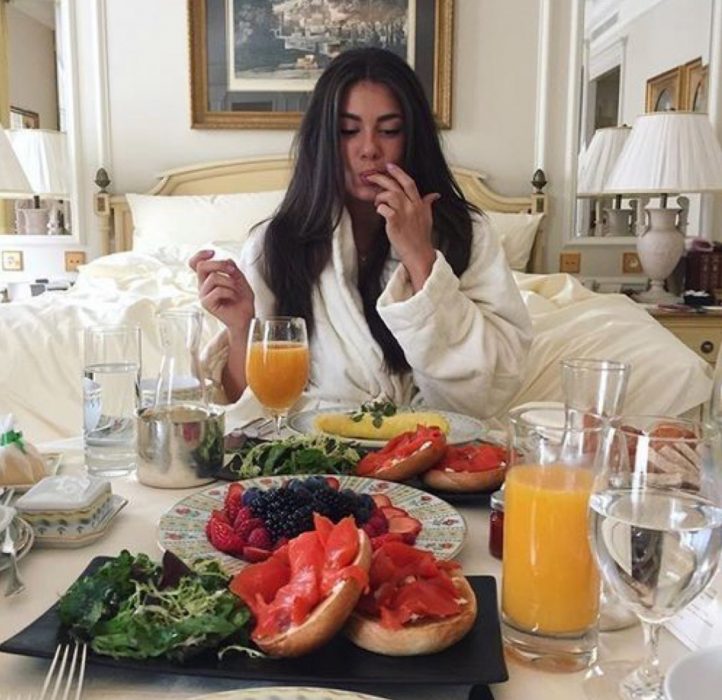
(423, 637)
(326, 619)
(464, 482)
(401, 469)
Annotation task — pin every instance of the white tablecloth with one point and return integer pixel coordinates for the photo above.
(48, 573)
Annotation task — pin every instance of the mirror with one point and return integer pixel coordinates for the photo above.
(38, 94)
(639, 56)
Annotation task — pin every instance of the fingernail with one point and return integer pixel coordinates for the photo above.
(391, 166)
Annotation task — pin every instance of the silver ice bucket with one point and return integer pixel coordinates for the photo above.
(179, 446)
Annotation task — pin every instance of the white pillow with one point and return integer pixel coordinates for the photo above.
(195, 220)
(516, 233)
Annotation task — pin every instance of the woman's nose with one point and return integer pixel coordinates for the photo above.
(370, 147)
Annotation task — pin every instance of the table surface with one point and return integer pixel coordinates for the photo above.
(48, 572)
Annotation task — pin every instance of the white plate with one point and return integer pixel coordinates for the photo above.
(696, 677)
(287, 693)
(70, 542)
(182, 529)
(462, 428)
(24, 538)
(52, 463)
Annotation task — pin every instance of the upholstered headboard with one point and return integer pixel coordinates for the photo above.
(261, 174)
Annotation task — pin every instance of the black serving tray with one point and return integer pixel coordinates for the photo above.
(477, 660)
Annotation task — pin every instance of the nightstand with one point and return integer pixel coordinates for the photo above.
(701, 332)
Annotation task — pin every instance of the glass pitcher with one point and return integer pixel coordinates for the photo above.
(180, 436)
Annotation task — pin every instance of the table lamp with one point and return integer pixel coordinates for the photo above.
(43, 156)
(666, 153)
(595, 165)
(13, 182)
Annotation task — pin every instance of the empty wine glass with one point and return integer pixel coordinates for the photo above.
(656, 531)
(277, 363)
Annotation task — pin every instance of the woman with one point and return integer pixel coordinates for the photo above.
(405, 292)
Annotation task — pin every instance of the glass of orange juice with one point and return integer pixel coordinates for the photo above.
(550, 581)
(277, 363)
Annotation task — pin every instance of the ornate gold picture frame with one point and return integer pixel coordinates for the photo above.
(268, 98)
(664, 91)
(695, 86)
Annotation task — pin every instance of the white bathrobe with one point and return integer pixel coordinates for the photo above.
(466, 339)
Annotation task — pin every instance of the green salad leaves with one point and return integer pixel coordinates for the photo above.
(316, 454)
(133, 608)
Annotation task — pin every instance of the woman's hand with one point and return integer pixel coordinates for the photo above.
(224, 291)
(409, 221)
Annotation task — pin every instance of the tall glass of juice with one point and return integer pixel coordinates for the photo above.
(277, 363)
(550, 581)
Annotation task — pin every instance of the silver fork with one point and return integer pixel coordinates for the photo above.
(15, 583)
(63, 678)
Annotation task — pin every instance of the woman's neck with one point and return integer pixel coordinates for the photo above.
(366, 225)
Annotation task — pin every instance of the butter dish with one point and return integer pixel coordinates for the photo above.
(69, 509)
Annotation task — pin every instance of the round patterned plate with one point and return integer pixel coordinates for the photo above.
(287, 693)
(182, 528)
(462, 428)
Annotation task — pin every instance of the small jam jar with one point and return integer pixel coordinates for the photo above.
(496, 524)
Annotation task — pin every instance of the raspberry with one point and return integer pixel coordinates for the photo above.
(223, 538)
(260, 538)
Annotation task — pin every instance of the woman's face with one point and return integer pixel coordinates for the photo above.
(372, 134)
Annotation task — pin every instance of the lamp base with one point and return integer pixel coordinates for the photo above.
(656, 294)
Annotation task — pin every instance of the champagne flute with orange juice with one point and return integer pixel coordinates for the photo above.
(277, 363)
(550, 581)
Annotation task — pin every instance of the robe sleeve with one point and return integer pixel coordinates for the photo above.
(466, 338)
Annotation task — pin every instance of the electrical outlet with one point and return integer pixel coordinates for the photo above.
(74, 258)
(631, 264)
(12, 260)
(570, 262)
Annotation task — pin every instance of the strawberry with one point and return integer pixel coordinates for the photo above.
(393, 512)
(381, 540)
(333, 482)
(223, 538)
(378, 522)
(248, 527)
(244, 514)
(233, 501)
(407, 527)
(253, 554)
(260, 537)
(381, 500)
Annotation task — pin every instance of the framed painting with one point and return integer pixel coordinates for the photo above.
(23, 119)
(253, 63)
(695, 86)
(664, 91)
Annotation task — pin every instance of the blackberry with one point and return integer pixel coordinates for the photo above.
(289, 523)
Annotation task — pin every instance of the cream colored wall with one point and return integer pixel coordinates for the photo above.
(149, 96)
(32, 67)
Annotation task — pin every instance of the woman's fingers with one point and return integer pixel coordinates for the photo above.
(217, 297)
(216, 279)
(204, 268)
(406, 181)
(198, 257)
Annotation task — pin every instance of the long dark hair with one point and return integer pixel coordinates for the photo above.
(298, 238)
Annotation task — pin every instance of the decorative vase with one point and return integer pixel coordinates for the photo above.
(659, 247)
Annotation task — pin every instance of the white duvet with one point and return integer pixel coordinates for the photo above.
(41, 340)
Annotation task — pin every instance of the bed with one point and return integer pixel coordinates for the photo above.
(149, 238)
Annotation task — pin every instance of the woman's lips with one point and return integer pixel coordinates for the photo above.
(364, 177)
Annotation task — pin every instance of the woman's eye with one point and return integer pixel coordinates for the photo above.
(348, 132)
(391, 132)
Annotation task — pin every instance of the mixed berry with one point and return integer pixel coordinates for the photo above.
(254, 522)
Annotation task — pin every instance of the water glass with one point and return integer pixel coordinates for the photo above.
(656, 531)
(111, 385)
(550, 582)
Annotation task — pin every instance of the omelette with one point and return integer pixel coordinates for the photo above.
(366, 426)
